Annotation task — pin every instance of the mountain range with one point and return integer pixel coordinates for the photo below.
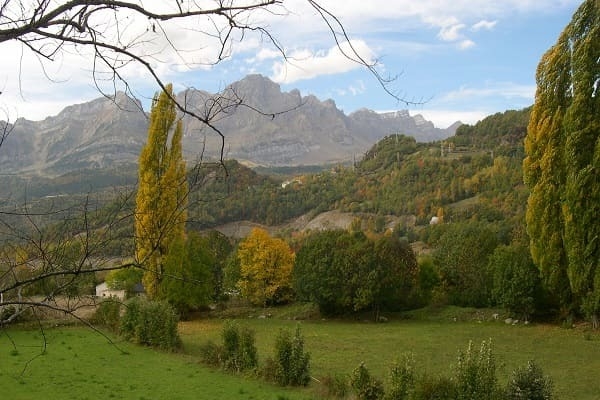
(261, 124)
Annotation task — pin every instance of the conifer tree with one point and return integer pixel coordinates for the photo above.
(562, 168)
(162, 194)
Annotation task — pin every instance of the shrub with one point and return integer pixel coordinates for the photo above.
(434, 388)
(211, 353)
(150, 323)
(401, 379)
(268, 371)
(476, 373)
(529, 383)
(365, 386)
(335, 386)
(292, 361)
(239, 350)
(108, 314)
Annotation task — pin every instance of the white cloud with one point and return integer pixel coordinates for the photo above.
(498, 89)
(444, 118)
(484, 24)
(355, 89)
(451, 33)
(306, 64)
(466, 44)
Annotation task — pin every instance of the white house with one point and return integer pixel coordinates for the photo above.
(102, 290)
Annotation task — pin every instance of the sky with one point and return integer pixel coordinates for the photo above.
(457, 60)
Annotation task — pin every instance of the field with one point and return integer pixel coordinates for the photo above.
(81, 364)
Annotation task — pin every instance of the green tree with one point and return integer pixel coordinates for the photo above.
(345, 272)
(461, 257)
(332, 269)
(187, 282)
(516, 279)
(265, 268)
(394, 274)
(314, 277)
(124, 279)
(220, 249)
(162, 193)
(563, 162)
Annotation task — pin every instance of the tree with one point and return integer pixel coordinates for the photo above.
(124, 279)
(394, 274)
(314, 276)
(265, 268)
(162, 193)
(563, 159)
(187, 282)
(461, 256)
(346, 272)
(331, 270)
(516, 279)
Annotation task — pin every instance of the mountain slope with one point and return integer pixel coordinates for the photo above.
(262, 125)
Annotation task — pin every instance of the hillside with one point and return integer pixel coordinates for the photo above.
(399, 183)
(397, 177)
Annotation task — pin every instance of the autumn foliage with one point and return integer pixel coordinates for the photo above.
(162, 194)
(266, 265)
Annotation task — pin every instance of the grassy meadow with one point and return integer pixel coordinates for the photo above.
(571, 358)
(81, 364)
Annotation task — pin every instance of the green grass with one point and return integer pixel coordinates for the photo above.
(338, 347)
(80, 364)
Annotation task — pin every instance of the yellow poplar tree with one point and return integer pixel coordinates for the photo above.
(162, 194)
(265, 268)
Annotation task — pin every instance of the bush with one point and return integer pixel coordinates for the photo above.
(108, 314)
(268, 371)
(365, 386)
(151, 323)
(401, 379)
(335, 386)
(239, 350)
(292, 361)
(476, 373)
(434, 388)
(529, 383)
(211, 353)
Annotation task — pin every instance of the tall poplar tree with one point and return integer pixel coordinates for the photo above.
(562, 167)
(162, 194)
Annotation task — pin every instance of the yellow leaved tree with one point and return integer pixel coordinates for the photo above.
(266, 265)
(162, 194)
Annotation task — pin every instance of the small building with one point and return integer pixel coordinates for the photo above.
(102, 290)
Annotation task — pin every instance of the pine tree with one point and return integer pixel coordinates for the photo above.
(162, 194)
(562, 168)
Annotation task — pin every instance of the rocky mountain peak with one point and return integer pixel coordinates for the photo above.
(288, 129)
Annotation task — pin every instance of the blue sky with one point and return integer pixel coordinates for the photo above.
(463, 59)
